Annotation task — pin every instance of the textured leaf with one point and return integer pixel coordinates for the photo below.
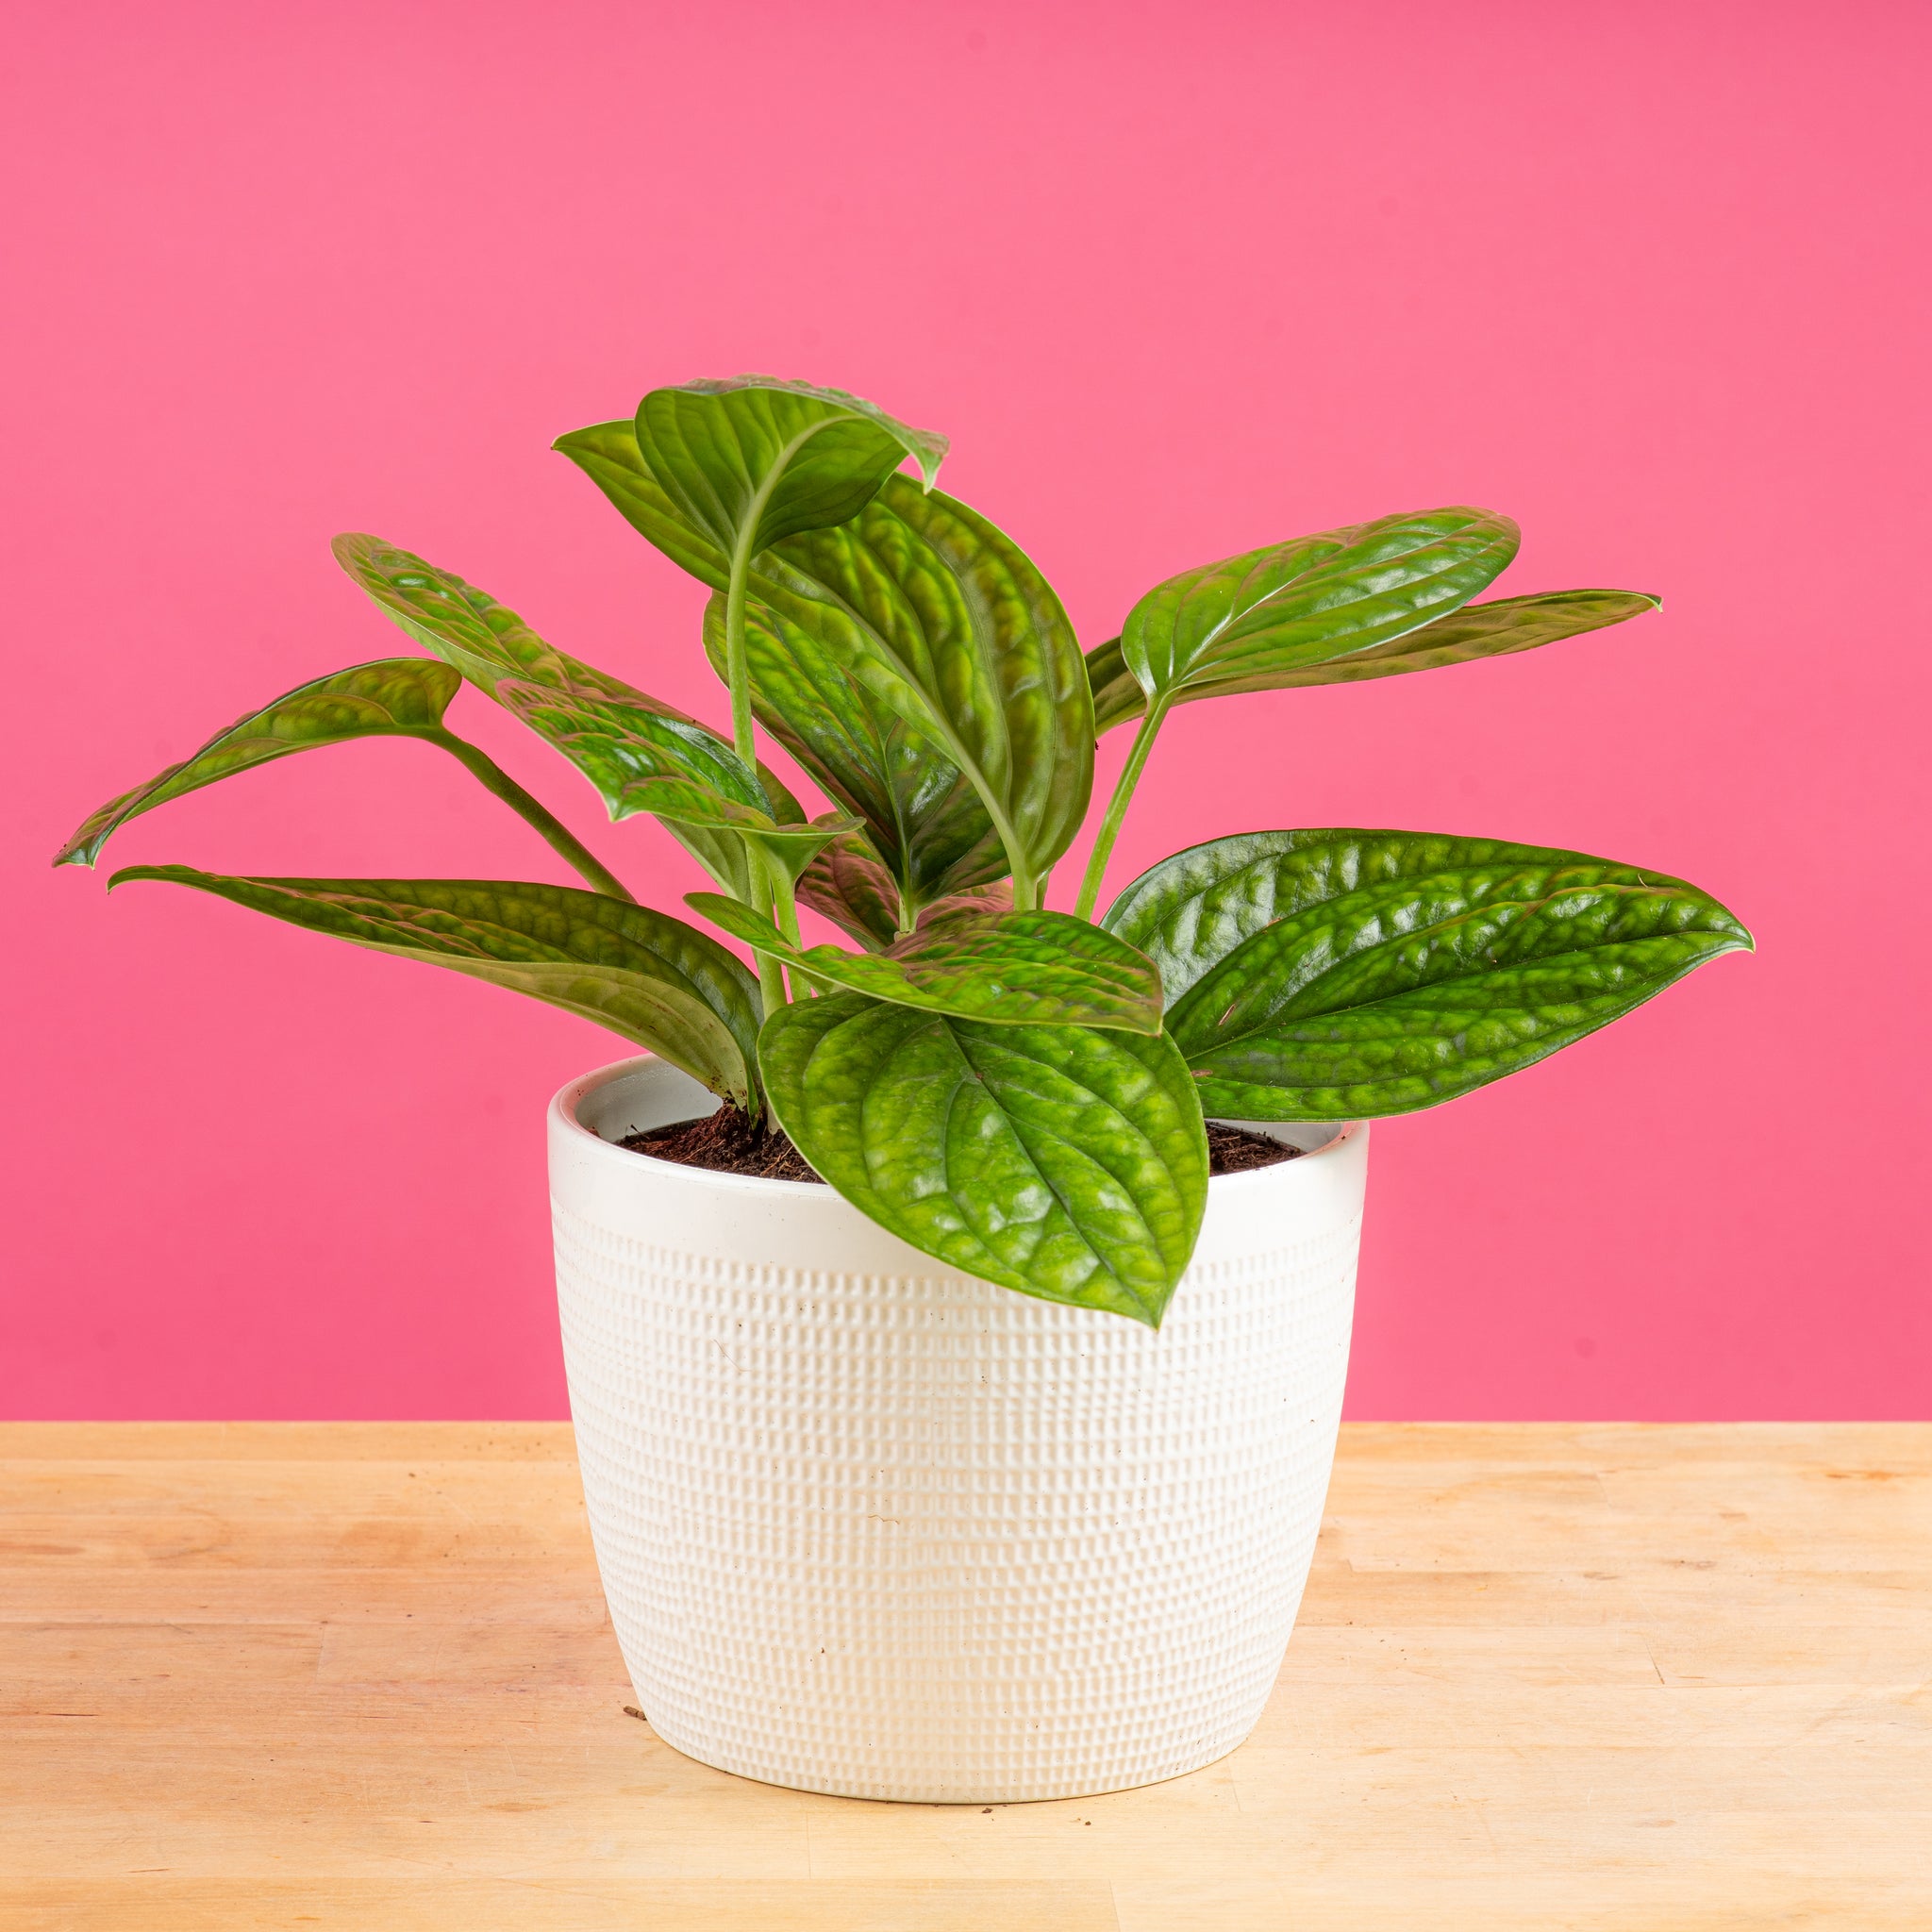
(1496, 630)
(917, 613)
(611, 732)
(1247, 620)
(848, 884)
(921, 812)
(396, 697)
(791, 846)
(754, 459)
(1032, 968)
(646, 976)
(614, 734)
(1062, 1161)
(941, 620)
(1343, 973)
(607, 454)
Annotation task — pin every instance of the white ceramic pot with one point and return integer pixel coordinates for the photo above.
(872, 1528)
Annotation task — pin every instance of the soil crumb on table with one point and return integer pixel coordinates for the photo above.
(730, 1142)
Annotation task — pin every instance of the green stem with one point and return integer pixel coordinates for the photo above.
(770, 892)
(785, 905)
(1117, 808)
(736, 657)
(495, 778)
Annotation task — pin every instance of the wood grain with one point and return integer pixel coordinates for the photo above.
(359, 1675)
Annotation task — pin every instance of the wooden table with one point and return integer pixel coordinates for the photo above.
(359, 1675)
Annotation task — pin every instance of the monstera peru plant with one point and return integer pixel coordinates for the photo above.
(1017, 1091)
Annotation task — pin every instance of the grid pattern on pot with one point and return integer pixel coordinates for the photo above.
(921, 1538)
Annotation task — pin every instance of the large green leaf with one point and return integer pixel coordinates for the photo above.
(1015, 968)
(396, 697)
(792, 847)
(916, 613)
(1342, 974)
(1495, 629)
(941, 620)
(648, 977)
(612, 732)
(923, 815)
(753, 459)
(1062, 1161)
(1246, 621)
(615, 735)
(607, 454)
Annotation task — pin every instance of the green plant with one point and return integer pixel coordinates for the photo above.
(1017, 1091)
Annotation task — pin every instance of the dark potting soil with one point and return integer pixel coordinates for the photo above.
(1234, 1150)
(730, 1142)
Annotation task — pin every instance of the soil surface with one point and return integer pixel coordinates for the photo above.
(730, 1142)
(1234, 1150)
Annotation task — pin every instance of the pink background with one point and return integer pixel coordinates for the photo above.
(1178, 279)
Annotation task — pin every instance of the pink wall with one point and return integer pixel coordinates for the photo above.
(1177, 279)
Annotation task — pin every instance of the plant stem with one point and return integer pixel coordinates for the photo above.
(1117, 808)
(482, 767)
(785, 905)
(736, 657)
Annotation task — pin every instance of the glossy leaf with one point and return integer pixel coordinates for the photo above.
(608, 455)
(791, 846)
(753, 460)
(615, 735)
(916, 613)
(395, 697)
(1495, 629)
(1034, 969)
(1342, 974)
(848, 884)
(923, 815)
(1062, 1161)
(611, 732)
(1247, 620)
(646, 976)
(942, 622)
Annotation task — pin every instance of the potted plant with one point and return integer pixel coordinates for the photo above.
(992, 1469)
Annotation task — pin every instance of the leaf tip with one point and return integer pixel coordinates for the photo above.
(929, 450)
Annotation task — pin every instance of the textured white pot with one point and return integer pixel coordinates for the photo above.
(872, 1528)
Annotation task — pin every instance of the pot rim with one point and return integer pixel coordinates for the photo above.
(564, 1103)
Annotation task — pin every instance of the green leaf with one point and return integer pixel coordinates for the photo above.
(917, 613)
(396, 697)
(941, 620)
(924, 816)
(1014, 969)
(1118, 698)
(1495, 629)
(607, 454)
(848, 884)
(615, 735)
(1062, 1161)
(1338, 974)
(650, 978)
(611, 732)
(753, 460)
(791, 846)
(1245, 622)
